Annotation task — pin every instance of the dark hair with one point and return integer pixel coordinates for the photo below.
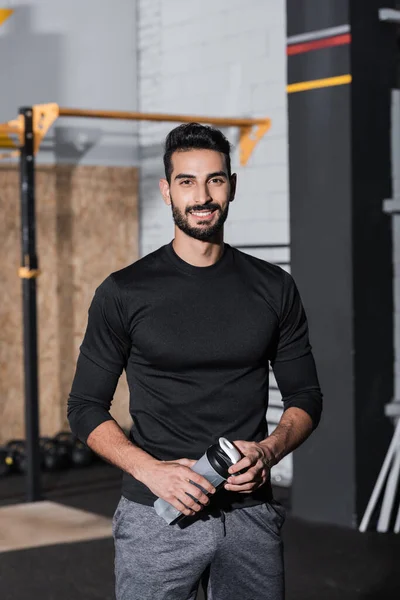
(190, 136)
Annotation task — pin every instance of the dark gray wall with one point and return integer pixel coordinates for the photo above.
(339, 159)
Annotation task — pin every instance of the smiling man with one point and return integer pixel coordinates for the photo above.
(195, 325)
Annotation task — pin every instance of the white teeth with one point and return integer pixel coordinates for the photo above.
(203, 213)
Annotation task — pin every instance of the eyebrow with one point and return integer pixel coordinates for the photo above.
(209, 176)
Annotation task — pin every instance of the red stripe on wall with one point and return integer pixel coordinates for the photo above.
(336, 40)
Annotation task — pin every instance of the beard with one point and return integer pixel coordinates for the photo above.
(207, 230)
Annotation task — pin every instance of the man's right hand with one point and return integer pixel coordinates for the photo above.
(170, 480)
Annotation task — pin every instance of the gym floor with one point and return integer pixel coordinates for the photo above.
(322, 562)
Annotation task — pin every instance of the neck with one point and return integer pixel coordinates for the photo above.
(196, 252)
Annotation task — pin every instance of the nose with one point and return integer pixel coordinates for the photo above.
(203, 195)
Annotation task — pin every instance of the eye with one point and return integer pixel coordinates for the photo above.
(217, 180)
(186, 182)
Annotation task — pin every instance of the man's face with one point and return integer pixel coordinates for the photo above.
(199, 192)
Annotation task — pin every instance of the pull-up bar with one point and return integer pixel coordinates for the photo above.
(138, 116)
(30, 127)
(44, 115)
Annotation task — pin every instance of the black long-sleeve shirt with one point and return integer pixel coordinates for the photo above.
(195, 343)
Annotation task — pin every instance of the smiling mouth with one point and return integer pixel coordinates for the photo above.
(203, 214)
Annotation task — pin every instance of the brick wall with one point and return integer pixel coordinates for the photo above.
(217, 58)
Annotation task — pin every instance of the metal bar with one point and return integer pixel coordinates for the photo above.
(390, 495)
(315, 84)
(395, 163)
(380, 482)
(319, 34)
(389, 15)
(138, 116)
(330, 42)
(29, 261)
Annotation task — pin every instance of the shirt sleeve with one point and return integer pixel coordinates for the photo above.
(293, 362)
(103, 356)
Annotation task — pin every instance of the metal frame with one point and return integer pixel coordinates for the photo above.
(28, 273)
(30, 127)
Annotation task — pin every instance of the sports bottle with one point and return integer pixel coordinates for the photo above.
(213, 465)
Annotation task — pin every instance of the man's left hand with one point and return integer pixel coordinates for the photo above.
(257, 461)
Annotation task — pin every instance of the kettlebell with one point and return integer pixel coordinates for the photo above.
(82, 456)
(17, 451)
(65, 441)
(6, 462)
(51, 459)
(79, 454)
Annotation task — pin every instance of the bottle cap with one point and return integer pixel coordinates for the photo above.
(230, 450)
(223, 455)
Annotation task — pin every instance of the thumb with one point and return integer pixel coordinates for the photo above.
(241, 446)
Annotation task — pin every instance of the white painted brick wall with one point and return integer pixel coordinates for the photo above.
(224, 58)
(80, 55)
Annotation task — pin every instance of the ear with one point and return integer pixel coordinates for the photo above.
(233, 182)
(164, 189)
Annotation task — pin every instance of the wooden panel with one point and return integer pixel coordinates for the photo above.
(11, 404)
(87, 227)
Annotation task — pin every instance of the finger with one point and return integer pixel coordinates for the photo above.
(243, 446)
(250, 475)
(244, 463)
(183, 508)
(193, 504)
(178, 504)
(242, 488)
(199, 480)
(196, 494)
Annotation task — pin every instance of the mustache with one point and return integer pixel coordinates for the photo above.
(202, 208)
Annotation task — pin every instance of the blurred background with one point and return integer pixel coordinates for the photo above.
(319, 195)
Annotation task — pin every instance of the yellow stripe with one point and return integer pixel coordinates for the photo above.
(4, 14)
(6, 142)
(318, 83)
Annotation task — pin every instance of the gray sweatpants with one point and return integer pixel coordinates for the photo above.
(241, 550)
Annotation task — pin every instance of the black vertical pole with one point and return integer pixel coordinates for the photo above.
(29, 270)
